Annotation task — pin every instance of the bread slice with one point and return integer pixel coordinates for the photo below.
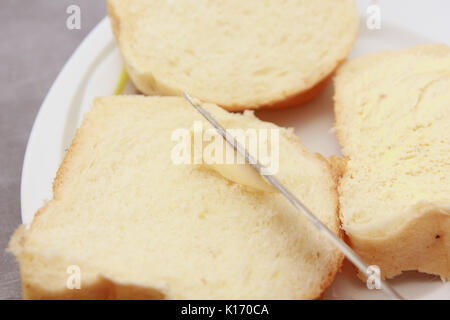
(237, 54)
(393, 122)
(139, 226)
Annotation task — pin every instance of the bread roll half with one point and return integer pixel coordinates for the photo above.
(131, 223)
(237, 54)
(393, 122)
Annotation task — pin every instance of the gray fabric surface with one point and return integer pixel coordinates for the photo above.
(34, 45)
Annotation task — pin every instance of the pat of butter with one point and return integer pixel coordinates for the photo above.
(240, 172)
(243, 174)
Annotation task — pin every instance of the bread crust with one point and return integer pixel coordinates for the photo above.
(336, 173)
(295, 100)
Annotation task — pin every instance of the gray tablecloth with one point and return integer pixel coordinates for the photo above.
(34, 45)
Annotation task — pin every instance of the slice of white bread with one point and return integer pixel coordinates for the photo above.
(393, 122)
(139, 226)
(237, 54)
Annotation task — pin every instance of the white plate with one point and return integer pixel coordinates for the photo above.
(93, 70)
